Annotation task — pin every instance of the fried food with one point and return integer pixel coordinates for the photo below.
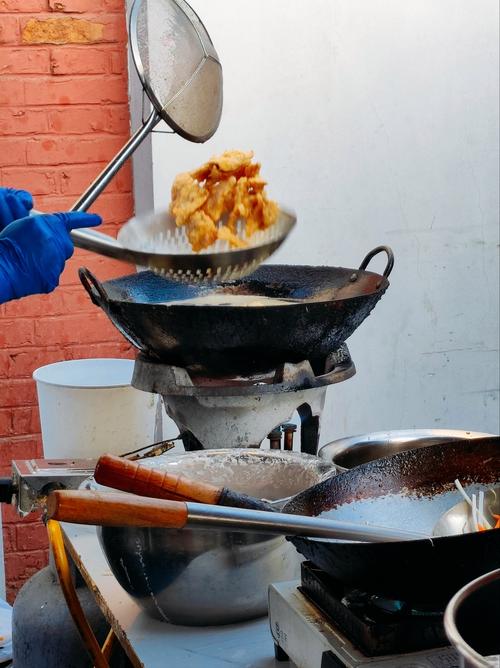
(211, 200)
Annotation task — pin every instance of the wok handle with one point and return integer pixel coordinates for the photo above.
(380, 249)
(115, 509)
(129, 476)
(93, 287)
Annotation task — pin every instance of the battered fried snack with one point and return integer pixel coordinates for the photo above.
(211, 200)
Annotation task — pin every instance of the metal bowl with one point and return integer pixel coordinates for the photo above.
(200, 577)
(346, 453)
(471, 622)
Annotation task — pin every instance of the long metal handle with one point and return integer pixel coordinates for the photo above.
(238, 519)
(91, 239)
(119, 509)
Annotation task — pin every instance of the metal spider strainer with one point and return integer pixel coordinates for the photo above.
(182, 77)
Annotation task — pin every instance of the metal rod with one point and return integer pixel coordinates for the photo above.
(239, 519)
(116, 163)
(90, 239)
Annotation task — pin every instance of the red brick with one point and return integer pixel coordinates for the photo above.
(6, 421)
(69, 150)
(9, 30)
(35, 180)
(18, 121)
(27, 6)
(13, 152)
(119, 348)
(20, 568)
(24, 61)
(17, 393)
(12, 92)
(114, 119)
(118, 62)
(76, 6)
(31, 537)
(15, 333)
(115, 5)
(24, 362)
(102, 267)
(10, 515)
(22, 420)
(79, 60)
(20, 447)
(68, 329)
(60, 302)
(81, 90)
(9, 538)
(75, 179)
(38, 30)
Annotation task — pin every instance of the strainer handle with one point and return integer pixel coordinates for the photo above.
(116, 163)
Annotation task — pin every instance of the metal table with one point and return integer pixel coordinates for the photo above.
(154, 644)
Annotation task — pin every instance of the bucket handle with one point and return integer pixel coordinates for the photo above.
(93, 287)
(380, 249)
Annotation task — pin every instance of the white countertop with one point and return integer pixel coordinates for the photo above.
(153, 644)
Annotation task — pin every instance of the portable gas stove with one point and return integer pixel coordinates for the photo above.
(315, 623)
(240, 411)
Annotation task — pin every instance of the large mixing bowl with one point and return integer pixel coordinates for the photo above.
(201, 577)
(346, 453)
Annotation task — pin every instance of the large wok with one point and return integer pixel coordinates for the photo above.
(410, 491)
(324, 305)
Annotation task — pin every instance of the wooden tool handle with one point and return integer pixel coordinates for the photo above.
(131, 477)
(115, 509)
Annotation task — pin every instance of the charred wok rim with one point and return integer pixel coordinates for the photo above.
(439, 451)
(101, 298)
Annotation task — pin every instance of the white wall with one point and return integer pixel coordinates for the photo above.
(377, 121)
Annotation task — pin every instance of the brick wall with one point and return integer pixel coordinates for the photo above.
(63, 114)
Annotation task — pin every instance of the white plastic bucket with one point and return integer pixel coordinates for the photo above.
(88, 407)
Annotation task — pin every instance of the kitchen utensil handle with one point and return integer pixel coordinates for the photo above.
(380, 249)
(93, 287)
(118, 509)
(116, 163)
(129, 476)
(114, 509)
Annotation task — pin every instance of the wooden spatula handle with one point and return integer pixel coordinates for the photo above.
(131, 477)
(115, 509)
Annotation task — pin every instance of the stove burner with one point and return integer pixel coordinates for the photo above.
(377, 626)
(240, 411)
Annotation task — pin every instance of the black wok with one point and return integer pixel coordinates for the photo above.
(324, 306)
(410, 491)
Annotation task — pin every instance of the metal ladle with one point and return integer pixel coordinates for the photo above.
(181, 74)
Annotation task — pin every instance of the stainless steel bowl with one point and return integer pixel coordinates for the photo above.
(200, 577)
(346, 453)
(472, 622)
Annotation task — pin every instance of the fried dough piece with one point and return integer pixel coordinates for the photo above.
(187, 197)
(225, 234)
(221, 199)
(201, 231)
(227, 163)
(212, 199)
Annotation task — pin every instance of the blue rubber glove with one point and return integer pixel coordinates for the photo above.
(14, 204)
(33, 251)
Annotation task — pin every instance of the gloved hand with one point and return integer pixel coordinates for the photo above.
(33, 251)
(14, 204)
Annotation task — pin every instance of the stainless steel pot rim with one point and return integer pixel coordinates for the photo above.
(331, 450)
(450, 627)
